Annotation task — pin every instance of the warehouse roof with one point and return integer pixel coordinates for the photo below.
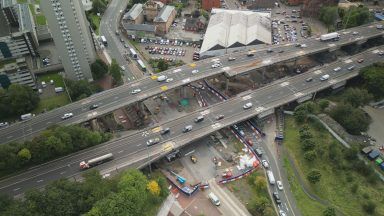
(134, 12)
(164, 14)
(234, 28)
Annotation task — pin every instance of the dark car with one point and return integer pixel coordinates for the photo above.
(281, 51)
(277, 198)
(94, 106)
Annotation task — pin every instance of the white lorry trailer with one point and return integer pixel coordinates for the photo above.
(330, 36)
(96, 161)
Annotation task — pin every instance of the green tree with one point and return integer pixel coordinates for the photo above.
(369, 207)
(98, 6)
(357, 97)
(22, 99)
(162, 65)
(24, 154)
(328, 15)
(374, 79)
(115, 72)
(314, 176)
(310, 155)
(307, 144)
(258, 205)
(356, 16)
(99, 69)
(323, 104)
(352, 119)
(80, 89)
(329, 211)
(260, 183)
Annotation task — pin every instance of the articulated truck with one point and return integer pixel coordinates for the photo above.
(330, 36)
(96, 161)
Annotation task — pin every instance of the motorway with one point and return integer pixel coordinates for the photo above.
(113, 99)
(134, 147)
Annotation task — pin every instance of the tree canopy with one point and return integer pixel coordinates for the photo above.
(99, 69)
(374, 80)
(115, 72)
(81, 89)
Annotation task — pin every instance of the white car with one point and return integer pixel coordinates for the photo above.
(169, 80)
(135, 91)
(216, 65)
(67, 116)
(3, 124)
(247, 105)
(279, 185)
(337, 69)
(265, 164)
(153, 141)
(195, 71)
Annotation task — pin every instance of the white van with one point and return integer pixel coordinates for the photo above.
(324, 77)
(161, 78)
(59, 89)
(26, 116)
(214, 199)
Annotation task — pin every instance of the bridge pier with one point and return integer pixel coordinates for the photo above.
(183, 91)
(361, 42)
(304, 98)
(226, 85)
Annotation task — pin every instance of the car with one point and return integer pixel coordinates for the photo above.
(162, 78)
(303, 45)
(135, 91)
(94, 106)
(380, 53)
(4, 124)
(324, 77)
(269, 50)
(352, 67)
(126, 45)
(360, 60)
(337, 69)
(169, 80)
(280, 51)
(187, 128)
(216, 65)
(231, 58)
(195, 71)
(265, 164)
(277, 198)
(199, 119)
(279, 185)
(247, 105)
(309, 79)
(282, 213)
(153, 141)
(355, 33)
(122, 67)
(165, 131)
(219, 117)
(67, 116)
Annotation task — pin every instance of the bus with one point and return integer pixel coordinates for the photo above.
(104, 40)
(142, 65)
(133, 53)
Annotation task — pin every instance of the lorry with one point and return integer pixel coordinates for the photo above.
(96, 161)
(330, 36)
(270, 176)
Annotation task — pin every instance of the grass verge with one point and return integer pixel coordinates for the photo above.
(51, 76)
(41, 20)
(52, 103)
(345, 189)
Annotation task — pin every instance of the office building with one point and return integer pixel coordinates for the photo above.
(16, 71)
(71, 34)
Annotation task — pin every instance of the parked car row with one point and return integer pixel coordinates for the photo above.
(169, 42)
(163, 58)
(166, 51)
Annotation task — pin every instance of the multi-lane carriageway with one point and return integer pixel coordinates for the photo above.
(132, 149)
(113, 99)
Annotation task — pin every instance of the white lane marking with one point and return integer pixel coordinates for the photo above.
(9, 137)
(267, 61)
(375, 51)
(16, 189)
(205, 112)
(30, 129)
(145, 133)
(317, 72)
(348, 61)
(216, 125)
(284, 84)
(177, 70)
(116, 97)
(331, 45)
(298, 94)
(119, 152)
(38, 181)
(138, 145)
(48, 122)
(186, 80)
(259, 109)
(62, 173)
(247, 97)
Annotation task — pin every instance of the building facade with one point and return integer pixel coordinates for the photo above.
(71, 34)
(152, 9)
(209, 4)
(134, 15)
(17, 72)
(164, 19)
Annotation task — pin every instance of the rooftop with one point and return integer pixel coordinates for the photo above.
(235, 28)
(25, 18)
(134, 12)
(164, 14)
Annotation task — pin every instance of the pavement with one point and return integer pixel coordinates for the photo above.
(376, 127)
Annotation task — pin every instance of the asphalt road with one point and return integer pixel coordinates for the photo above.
(113, 99)
(133, 147)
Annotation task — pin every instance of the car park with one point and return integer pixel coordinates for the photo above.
(265, 164)
(153, 141)
(279, 185)
(247, 105)
(94, 106)
(135, 91)
(67, 116)
(276, 197)
(165, 131)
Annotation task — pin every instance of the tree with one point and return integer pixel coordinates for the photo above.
(305, 134)
(369, 207)
(310, 155)
(22, 99)
(99, 69)
(307, 144)
(258, 205)
(329, 211)
(115, 72)
(80, 89)
(260, 183)
(352, 119)
(98, 6)
(323, 104)
(24, 154)
(328, 15)
(356, 16)
(314, 176)
(374, 78)
(357, 97)
(153, 188)
(162, 65)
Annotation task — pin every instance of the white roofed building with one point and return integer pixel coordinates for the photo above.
(233, 30)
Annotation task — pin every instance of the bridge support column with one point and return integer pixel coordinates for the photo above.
(226, 85)
(183, 91)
